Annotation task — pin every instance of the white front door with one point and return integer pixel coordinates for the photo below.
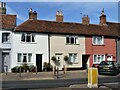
(6, 61)
(59, 57)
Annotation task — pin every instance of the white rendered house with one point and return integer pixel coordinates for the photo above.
(8, 22)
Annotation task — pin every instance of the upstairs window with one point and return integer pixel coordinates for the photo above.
(28, 37)
(98, 40)
(5, 37)
(71, 40)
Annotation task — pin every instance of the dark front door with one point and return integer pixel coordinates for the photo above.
(84, 61)
(39, 62)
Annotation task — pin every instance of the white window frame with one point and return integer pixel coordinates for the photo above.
(7, 38)
(70, 39)
(32, 36)
(95, 40)
(75, 59)
(98, 60)
(27, 57)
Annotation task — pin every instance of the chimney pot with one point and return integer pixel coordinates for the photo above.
(103, 18)
(32, 15)
(59, 16)
(2, 8)
(85, 20)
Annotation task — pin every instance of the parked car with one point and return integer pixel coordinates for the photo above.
(108, 67)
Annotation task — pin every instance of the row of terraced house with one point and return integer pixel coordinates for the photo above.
(37, 41)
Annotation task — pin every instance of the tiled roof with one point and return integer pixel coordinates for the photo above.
(7, 21)
(42, 26)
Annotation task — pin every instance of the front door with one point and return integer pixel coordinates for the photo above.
(84, 61)
(6, 62)
(39, 62)
(60, 61)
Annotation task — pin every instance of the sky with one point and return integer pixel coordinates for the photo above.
(71, 10)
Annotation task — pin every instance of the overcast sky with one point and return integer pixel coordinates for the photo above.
(71, 10)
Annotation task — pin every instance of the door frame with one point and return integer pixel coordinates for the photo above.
(85, 61)
(41, 61)
(5, 68)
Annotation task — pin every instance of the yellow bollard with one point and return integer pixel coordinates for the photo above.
(92, 77)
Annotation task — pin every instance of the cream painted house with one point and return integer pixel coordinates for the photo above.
(72, 46)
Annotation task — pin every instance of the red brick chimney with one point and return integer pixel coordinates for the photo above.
(32, 15)
(85, 20)
(103, 18)
(2, 8)
(59, 16)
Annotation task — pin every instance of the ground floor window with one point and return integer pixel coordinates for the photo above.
(98, 58)
(73, 57)
(24, 57)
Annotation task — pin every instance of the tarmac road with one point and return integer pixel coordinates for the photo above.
(39, 84)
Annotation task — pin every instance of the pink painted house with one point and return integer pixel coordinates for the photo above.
(100, 47)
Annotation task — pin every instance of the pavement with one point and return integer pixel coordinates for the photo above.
(44, 75)
(49, 76)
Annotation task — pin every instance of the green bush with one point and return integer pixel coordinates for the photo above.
(32, 68)
(47, 66)
(25, 67)
(16, 69)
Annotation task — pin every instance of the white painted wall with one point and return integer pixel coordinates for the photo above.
(4, 47)
(39, 47)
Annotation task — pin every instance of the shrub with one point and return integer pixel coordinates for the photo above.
(32, 68)
(47, 66)
(25, 67)
(16, 69)
(66, 58)
(53, 58)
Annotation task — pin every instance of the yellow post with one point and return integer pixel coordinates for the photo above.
(92, 77)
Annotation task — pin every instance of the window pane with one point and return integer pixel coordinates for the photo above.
(29, 57)
(72, 40)
(95, 58)
(33, 38)
(94, 40)
(19, 57)
(28, 38)
(67, 40)
(5, 37)
(24, 57)
(75, 57)
(76, 40)
(23, 37)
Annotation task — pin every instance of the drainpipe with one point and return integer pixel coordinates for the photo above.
(49, 46)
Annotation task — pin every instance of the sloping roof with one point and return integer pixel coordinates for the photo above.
(43, 26)
(7, 21)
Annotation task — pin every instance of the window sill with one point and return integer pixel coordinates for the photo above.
(98, 44)
(28, 42)
(24, 63)
(96, 62)
(74, 62)
(6, 43)
(72, 44)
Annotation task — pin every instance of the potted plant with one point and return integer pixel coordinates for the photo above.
(47, 66)
(66, 59)
(32, 68)
(53, 58)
